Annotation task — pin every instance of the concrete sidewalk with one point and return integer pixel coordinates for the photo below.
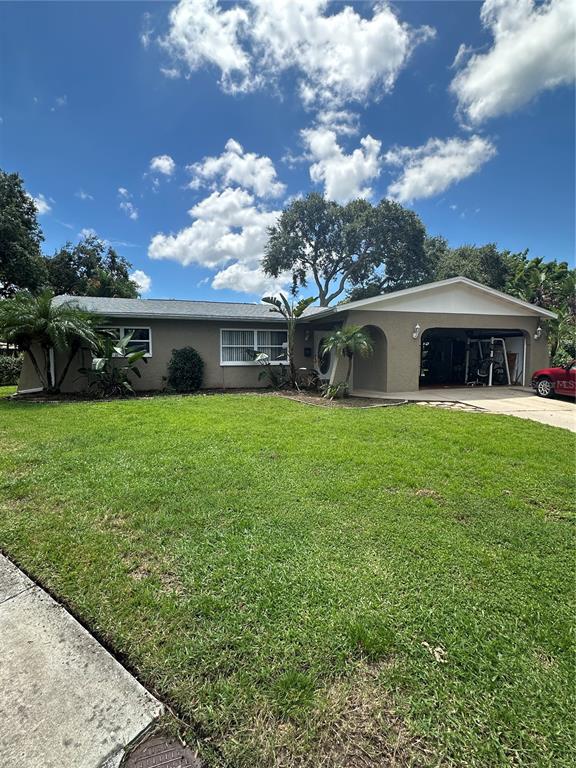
(508, 401)
(65, 702)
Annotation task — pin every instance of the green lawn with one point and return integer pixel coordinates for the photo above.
(7, 390)
(313, 587)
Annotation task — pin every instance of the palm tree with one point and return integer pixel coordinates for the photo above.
(290, 312)
(349, 341)
(29, 321)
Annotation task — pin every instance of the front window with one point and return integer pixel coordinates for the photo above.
(141, 337)
(140, 341)
(239, 346)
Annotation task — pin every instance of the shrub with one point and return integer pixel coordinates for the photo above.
(10, 368)
(185, 370)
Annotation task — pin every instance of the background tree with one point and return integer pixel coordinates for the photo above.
(341, 245)
(29, 321)
(21, 263)
(483, 263)
(90, 269)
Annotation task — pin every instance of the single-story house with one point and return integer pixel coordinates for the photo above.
(438, 334)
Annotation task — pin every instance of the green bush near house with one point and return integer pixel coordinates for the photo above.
(10, 368)
(185, 370)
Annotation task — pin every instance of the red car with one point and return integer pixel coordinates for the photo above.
(555, 381)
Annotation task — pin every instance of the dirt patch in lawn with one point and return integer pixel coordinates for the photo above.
(353, 727)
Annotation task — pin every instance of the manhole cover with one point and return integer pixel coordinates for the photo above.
(162, 751)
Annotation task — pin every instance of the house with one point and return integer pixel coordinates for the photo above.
(439, 334)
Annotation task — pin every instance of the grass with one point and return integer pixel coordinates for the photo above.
(313, 587)
(6, 391)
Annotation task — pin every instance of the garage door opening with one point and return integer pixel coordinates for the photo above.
(457, 357)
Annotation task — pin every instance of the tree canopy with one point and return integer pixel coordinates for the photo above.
(337, 245)
(21, 262)
(90, 268)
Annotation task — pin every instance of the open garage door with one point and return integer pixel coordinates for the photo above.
(456, 357)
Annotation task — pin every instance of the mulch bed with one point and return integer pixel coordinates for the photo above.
(308, 398)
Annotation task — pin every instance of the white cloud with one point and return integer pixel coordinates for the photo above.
(87, 232)
(533, 51)
(59, 103)
(172, 73)
(341, 121)
(244, 278)
(435, 166)
(147, 30)
(237, 167)
(229, 232)
(126, 204)
(129, 209)
(339, 56)
(42, 205)
(344, 176)
(142, 280)
(84, 195)
(163, 164)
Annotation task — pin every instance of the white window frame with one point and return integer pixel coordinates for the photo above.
(123, 330)
(254, 331)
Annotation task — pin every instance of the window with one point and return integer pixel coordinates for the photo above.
(141, 337)
(238, 346)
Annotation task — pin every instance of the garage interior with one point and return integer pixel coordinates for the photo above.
(456, 357)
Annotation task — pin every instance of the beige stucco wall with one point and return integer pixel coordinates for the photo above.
(167, 335)
(403, 363)
(398, 372)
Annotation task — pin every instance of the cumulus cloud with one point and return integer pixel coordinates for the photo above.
(533, 51)
(344, 176)
(341, 121)
(237, 167)
(339, 56)
(87, 232)
(83, 195)
(163, 164)
(229, 232)
(435, 166)
(126, 203)
(142, 280)
(42, 205)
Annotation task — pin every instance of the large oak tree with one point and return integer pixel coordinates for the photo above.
(338, 246)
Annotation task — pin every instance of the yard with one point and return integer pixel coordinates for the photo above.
(312, 587)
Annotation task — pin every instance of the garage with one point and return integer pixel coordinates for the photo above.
(456, 357)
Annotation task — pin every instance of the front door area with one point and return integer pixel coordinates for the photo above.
(323, 361)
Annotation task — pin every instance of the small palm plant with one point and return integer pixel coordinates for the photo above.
(35, 324)
(114, 363)
(290, 312)
(348, 342)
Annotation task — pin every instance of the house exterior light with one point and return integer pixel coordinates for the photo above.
(416, 331)
(538, 333)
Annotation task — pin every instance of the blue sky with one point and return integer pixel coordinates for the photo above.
(125, 117)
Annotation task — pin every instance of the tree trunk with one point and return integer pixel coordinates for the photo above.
(36, 367)
(349, 371)
(50, 378)
(71, 356)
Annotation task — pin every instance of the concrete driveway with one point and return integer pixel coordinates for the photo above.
(509, 401)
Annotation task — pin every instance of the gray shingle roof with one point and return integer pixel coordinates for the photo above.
(172, 308)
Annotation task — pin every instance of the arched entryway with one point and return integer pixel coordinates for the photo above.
(370, 372)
